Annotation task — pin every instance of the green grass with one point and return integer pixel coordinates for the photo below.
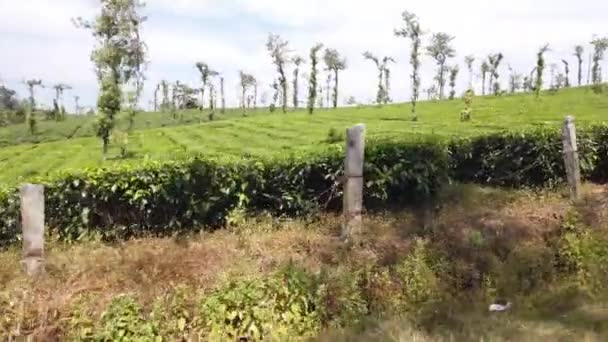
(279, 134)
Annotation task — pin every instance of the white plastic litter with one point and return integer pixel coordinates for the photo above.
(499, 307)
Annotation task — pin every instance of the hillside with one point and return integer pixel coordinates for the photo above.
(280, 134)
(78, 126)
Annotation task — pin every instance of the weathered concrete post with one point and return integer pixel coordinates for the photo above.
(32, 226)
(353, 183)
(571, 159)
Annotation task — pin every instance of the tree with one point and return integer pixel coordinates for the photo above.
(59, 108)
(297, 61)
(327, 88)
(165, 104)
(8, 99)
(334, 63)
(431, 92)
(453, 74)
(246, 82)
(412, 31)
(566, 73)
(76, 104)
(275, 95)
(31, 112)
(515, 81)
(223, 110)
(469, 60)
(312, 85)
(119, 57)
(255, 94)
(440, 50)
(320, 104)
(380, 94)
(485, 68)
(540, 68)
(205, 71)
(156, 90)
(277, 48)
(387, 78)
(599, 47)
(212, 93)
(578, 52)
(494, 62)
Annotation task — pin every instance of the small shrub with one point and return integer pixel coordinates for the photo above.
(341, 297)
(420, 284)
(279, 306)
(121, 139)
(122, 321)
(333, 136)
(528, 268)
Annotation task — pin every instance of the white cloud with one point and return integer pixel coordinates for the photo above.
(230, 35)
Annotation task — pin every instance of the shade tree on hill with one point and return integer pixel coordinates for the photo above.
(469, 60)
(205, 72)
(155, 101)
(297, 61)
(453, 75)
(313, 79)
(599, 47)
(387, 77)
(212, 93)
(515, 81)
(58, 111)
(334, 63)
(381, 92)
(566, 73)
(247, 81)
(484, 68)
(578, 52)
(441, 50)
(119, 57)
(279, 52)
(166, 102)
(494, 61)
(540, 68)
(31, 112)
(413, 32)
(77, 108)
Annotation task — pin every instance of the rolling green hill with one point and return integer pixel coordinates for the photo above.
(280, 134)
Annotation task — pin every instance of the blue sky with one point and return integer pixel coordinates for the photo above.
(37, 39)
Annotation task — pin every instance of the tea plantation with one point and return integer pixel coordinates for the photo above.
(232, 136)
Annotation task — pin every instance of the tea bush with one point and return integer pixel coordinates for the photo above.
(197, 191)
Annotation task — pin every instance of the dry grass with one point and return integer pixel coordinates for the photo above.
(150, 268)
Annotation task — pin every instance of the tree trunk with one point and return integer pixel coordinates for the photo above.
(580, 72)
(441, 81)
(387, 85)
(202, 106)
(106, 144)
(380, 93)
(336, 89)
(255, 96)
(483, 83)
(222, 94)
(295, 88)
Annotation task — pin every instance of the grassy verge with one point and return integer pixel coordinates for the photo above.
(422, 275)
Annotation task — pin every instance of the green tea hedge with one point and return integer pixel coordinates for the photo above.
(163, 197)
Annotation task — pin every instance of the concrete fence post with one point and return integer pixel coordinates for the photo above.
(353, 183)
(32, 225)
(571, 159)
